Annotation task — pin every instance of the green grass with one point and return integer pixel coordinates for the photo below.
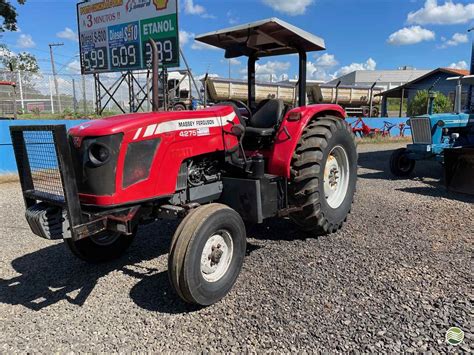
(383, 140)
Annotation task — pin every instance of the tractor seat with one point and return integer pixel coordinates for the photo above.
(265, 120)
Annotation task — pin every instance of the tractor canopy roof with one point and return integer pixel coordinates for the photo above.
(263, 38)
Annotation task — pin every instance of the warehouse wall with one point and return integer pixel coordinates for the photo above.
(7, 158)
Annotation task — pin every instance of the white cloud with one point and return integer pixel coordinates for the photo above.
(74, 67)
(447, 14)
(185, 37)
(68, 34)
(25, 41)
(199, 46)
(457, 39)
(275, 70)
(459, 65)
(195, 9)
(233, 61)
(233, 20)
(370, 64)
(272, 67)
(326, 60)
(317, 72)
(411, 35)
(289, 7)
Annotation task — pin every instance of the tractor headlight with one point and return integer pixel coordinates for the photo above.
(138, 161)
(441, 123)
(99, 154)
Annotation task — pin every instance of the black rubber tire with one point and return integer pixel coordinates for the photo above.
(179, 107)
(86, 249)
(306, 188)
(400, 164)
(184, 261)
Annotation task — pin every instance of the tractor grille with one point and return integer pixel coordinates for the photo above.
(421, 130)
(38, 163)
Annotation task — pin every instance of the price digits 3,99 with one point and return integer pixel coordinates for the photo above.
(167, 52)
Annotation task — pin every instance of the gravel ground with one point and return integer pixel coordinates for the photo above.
(394, 279)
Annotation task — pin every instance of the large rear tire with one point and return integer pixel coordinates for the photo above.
(103, 247)
(206, 254)
(323, 175)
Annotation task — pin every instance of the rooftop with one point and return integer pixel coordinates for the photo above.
(263, 38)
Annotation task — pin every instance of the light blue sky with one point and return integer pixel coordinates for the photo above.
(382, 34)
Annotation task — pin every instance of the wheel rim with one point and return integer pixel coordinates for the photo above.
(216, 256)
(404, 164)
(336, 177)
(105, 238)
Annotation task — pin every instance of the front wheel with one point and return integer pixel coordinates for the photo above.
(102, 247)
(324, 175)
(207, 253)
(400, 164)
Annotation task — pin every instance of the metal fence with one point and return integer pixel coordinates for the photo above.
(35, 93)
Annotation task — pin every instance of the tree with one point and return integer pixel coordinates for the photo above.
(9, 14)
(23, 61)
(419, 104)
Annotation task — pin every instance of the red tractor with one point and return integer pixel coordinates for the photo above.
(218, 168)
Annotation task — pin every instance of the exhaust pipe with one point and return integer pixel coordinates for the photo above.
(470, 99)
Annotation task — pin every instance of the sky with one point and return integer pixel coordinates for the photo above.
(359, 34)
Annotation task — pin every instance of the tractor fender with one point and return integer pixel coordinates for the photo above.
(290, 132)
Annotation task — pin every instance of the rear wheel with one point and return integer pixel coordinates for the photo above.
(207, 253)
(324, 175)
(102, 247)
(400, 164)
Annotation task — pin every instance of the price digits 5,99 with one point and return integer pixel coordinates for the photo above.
(95, 60)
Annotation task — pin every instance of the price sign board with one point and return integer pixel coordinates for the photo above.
(114, 34)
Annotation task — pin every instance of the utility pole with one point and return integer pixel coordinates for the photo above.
(51, 45)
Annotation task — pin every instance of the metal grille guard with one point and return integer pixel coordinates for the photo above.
(46, 172)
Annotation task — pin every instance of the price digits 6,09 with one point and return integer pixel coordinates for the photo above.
(125, 57)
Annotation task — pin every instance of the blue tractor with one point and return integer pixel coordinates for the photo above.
(439, 136)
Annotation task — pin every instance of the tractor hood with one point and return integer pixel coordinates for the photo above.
(450, 119)
(133, 122)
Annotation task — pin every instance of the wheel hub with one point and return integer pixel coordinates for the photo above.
(216, 256)
(336, 177)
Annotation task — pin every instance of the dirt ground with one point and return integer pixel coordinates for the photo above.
(395, 278)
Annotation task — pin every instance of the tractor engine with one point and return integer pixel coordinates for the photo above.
(202, 171)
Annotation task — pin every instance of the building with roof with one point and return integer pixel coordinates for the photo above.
(387, 79)
(434, 80)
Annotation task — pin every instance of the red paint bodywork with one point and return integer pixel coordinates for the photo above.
(284, 147)
(174, 148)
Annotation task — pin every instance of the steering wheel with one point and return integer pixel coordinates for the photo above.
(242, 106)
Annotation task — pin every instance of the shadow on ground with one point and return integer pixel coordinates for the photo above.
(430, 173)
(52, 274)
